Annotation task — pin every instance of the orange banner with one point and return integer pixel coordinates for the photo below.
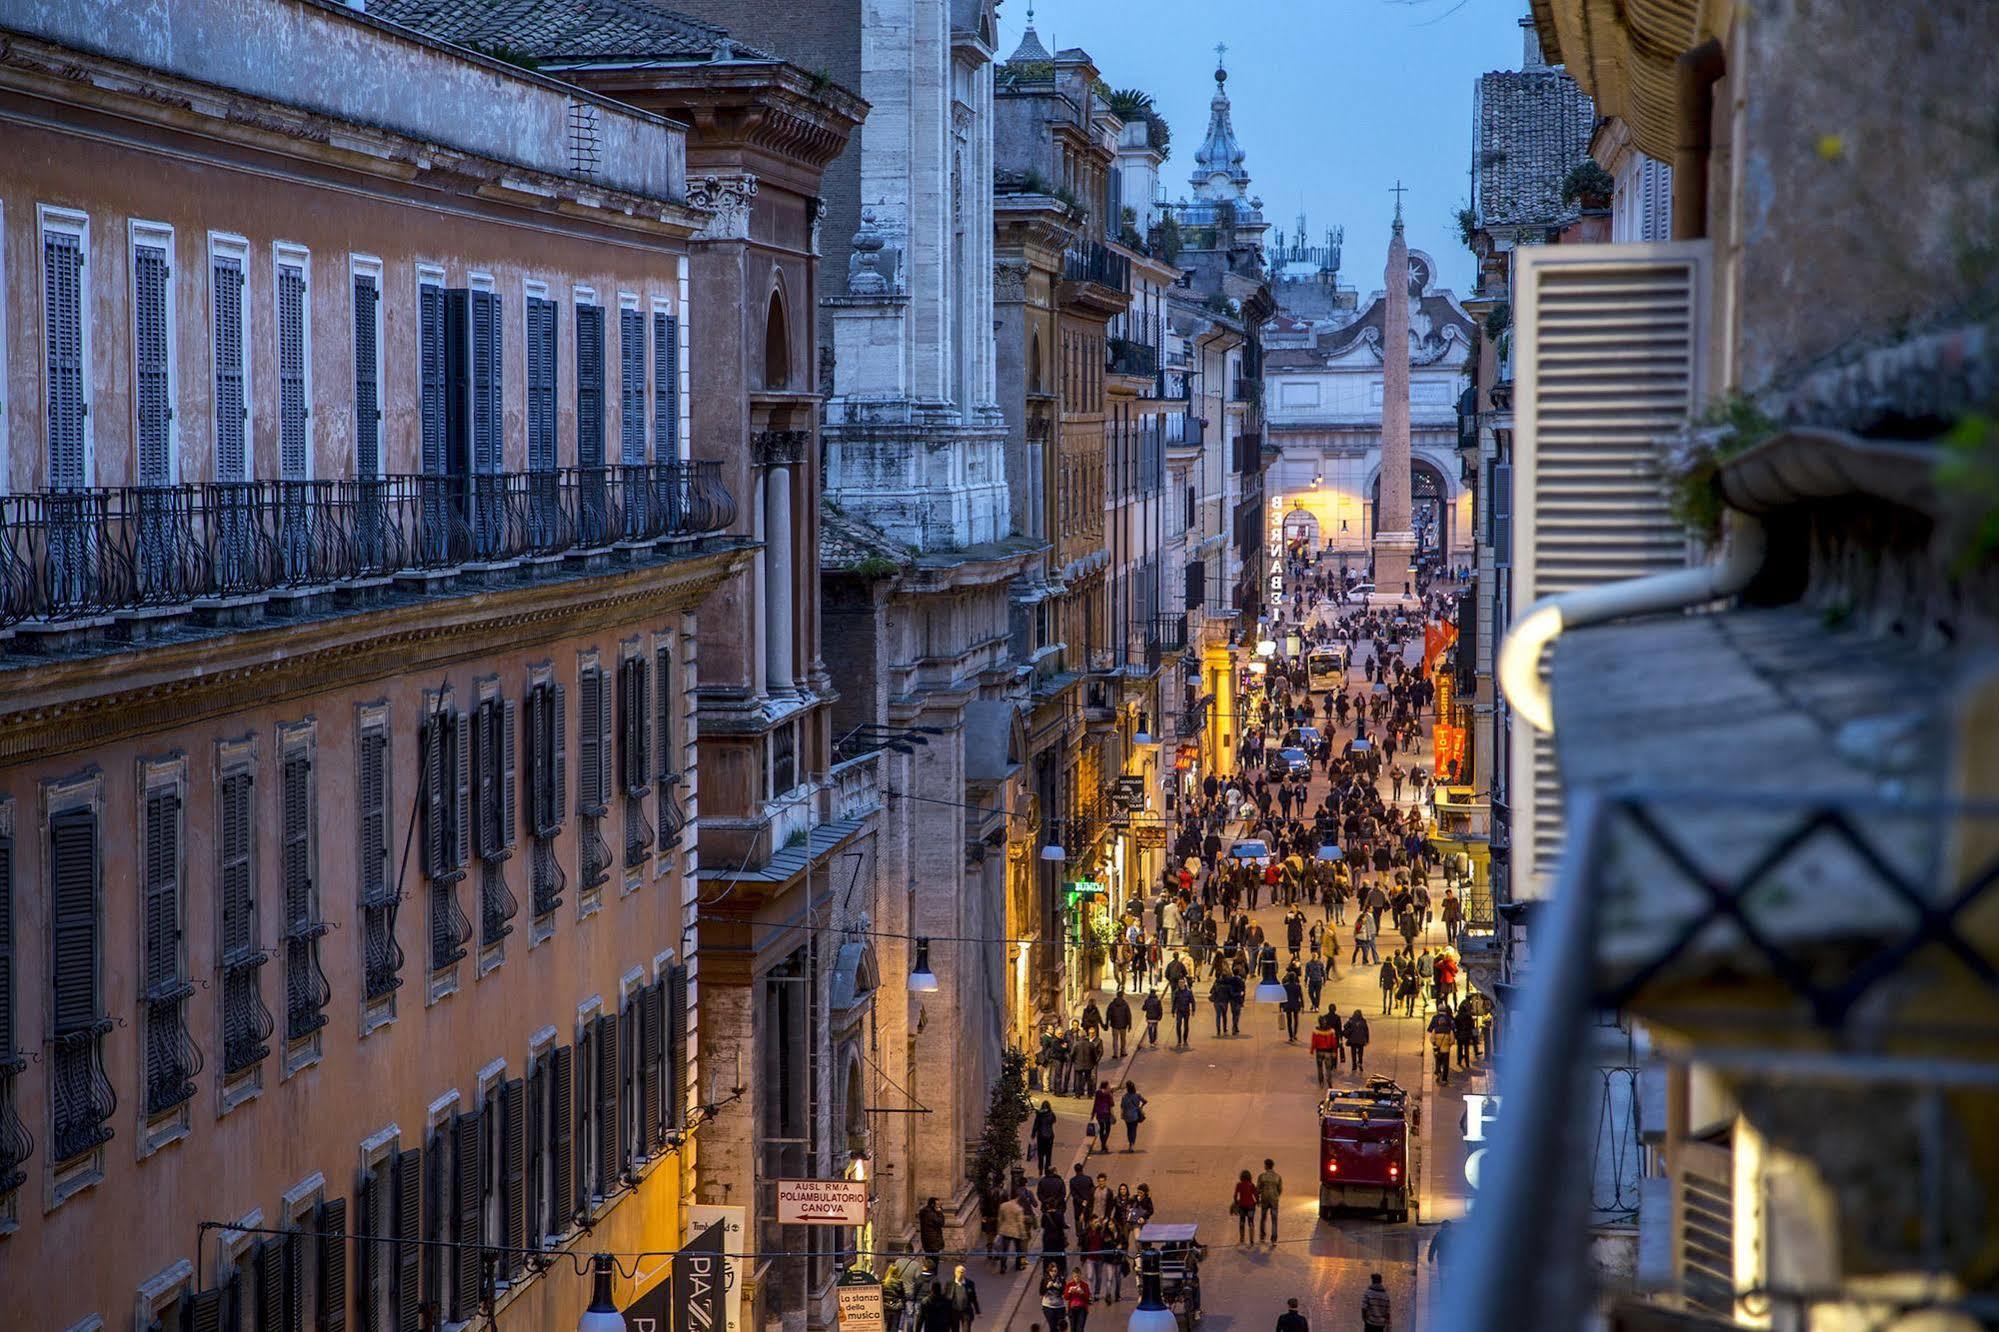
(1437, 636)
(1449, 745)
(1445, 685)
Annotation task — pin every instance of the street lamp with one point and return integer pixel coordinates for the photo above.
(1269, 990)
(602, 1315)
(1053, 850)
(1151, 1315)
(922, 979)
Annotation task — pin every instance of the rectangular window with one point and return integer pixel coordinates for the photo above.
(583, 1129)
(306, 990)
(367, 274)
(605, 1148)
(671, 816)
(494, 773)
(330, 1220)
(547, 742)
(230, 332)
(541, 368)
(665, 386)
(635, 722)
(485, 402)
(534, 1183)
(294, 316)
(170, 1059)
(593, 785)
(506, 1175)
(66, 347)
(246, 1023)
(80, 1095)
(589, 385)
(676, 1047)
(454, 1179)
(444, 745)
(784, 758)
(631, 383)
(381, 957)
(430, 369)
(153, 381)
(560, 1190)
(408, 1230)
(14, 1141)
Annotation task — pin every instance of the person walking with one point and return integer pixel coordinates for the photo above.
(1153, 1011)
(1131, 1109)
(1466, 1031)
(1183, 1013)
(1443, 1034)
(1325, 1040)
(1076, 1301)
(1055, 1239)
(1357, 1038)
(1102, 1109)
(1043, 1133)
(1374, 1308)
(1081, 1190)
(1238, 994)
(1439, 1250)
(1294, 1003)
(1012, 1234)
(1218, 995)
(1117, 1018)
(1364, 929)
(963, 1295)
(1389, 977)
(1053, 1311)
(1291, 1320)
(1453, 912)
(1315, 980)
(1269, 1188)
(1243, 1204)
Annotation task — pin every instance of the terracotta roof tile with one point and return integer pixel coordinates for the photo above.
(1532, 127)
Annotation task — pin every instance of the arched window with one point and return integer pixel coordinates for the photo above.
(777, 345)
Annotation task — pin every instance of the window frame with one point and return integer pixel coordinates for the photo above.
(368, 268)
(585, 298)
(237, 759)
(297, 740)
(166, 773)
(50, 219)
(159, 235)
(229, 245)
(372, 719)
(291, 254)
(82, 792)
(634, 420)
(429, 451)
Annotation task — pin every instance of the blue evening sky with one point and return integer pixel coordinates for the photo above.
(1332, 101)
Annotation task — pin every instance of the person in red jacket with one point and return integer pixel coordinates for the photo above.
(1244, 1207)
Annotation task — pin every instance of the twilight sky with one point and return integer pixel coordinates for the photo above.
(1332, 100)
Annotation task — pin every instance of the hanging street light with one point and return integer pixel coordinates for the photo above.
(602, 1315)
(922, 979)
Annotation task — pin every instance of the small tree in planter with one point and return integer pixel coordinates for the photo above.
(1587, 185)
(999, 1142)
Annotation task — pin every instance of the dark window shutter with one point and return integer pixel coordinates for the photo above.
(297, 834)
(461, 777)
(586, 1119)
(431, 741)
(665, 757)
(231, 410)
(509, 773)
(8, 1045)
(561, 1157)
(367, 380)
(332, 1227)
(538, 758)
(666, 387)
(630, 1113)
(485, 382)
(534, 1198)
(469, 1232)
(559, 757)
(150, 360)
(631, 387)
(62, 321)
(1502, 513)
(541, 358)
(513, 1172)
(589, 386)
(292, 405)
(651, 1053)
(430, 352)
(162, 869)
(73, 858)
(374, 815)
(203, 1311)
(590, 778)
(606, 713)
(676, 1047)
(486, 790)
(409, 1228)
(609, 1071)
(374, 1261)
(273, 1276)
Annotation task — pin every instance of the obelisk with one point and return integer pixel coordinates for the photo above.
(1394, 531)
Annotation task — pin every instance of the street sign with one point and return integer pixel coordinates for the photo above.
(860, 1299)
(822, 1202)
(725, 1222)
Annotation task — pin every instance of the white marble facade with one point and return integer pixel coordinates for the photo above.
(914, 438)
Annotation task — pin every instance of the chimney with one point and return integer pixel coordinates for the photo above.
(1531, 59)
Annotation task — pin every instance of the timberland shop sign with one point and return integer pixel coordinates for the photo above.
(822, 1202)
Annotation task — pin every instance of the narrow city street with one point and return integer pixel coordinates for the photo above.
(1226, 1104)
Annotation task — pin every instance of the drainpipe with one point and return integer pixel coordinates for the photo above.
(1519, 661)
(1694, 76)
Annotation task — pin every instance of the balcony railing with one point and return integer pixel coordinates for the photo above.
(78, 553)
(1170, 632)
(1126, 357)
(1097, 263)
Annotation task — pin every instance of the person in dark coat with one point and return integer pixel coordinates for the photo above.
(1357, 1038)
(1238, 995)
(1081, 1190)
(1050, 1192)
(963, 1295)
(1153, 1010)
(1043, 1133)
(935, 1314)
(1294, 1004)
(930, 1228)
(1183, 1013)
(1218, 995)
(1117, 1017)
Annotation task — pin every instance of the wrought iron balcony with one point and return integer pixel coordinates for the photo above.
(81, 1096)
(171, 1058)
(79, 553)
(15, 1141)
(1169, 632)
(1096, 262)
(1125, 357)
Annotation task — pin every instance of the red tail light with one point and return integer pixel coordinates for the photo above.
(1393, 1171)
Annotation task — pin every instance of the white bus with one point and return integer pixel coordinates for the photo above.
(1326, 666)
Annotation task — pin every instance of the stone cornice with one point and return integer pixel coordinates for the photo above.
(77, 703)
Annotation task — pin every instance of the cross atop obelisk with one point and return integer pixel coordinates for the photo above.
(1398, 192)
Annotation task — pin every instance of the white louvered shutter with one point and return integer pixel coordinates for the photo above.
(62, 323)
(1607, 358)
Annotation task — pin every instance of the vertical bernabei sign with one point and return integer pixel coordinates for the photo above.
(700, 1280)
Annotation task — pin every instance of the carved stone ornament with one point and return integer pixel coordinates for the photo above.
(1009, 281)
(815, 213)
(779, 448)
(865, 275)
(727, 198)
